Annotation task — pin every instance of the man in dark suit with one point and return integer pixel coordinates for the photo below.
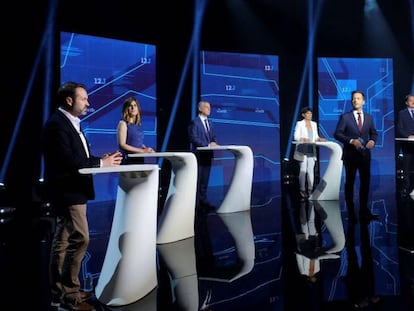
(405, 127)
(201, 134)
(356, 131)
(66, 150)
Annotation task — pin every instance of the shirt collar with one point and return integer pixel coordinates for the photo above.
(74, 120)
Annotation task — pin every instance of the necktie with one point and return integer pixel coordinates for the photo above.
(412, 113)
(207, 127)
(359, 121)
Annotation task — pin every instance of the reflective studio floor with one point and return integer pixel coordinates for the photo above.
(285, 253)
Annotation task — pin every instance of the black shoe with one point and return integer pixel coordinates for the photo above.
(85, 295)
(57, 298)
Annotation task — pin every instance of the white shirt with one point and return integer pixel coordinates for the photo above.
(203, 120)
(76, 124)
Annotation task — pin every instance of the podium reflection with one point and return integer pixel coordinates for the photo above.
(360, 270)
(239, 227)
(310, 250)
(146, 303)
(180, 260)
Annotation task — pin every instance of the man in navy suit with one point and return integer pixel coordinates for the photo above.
(66, 150)
(201, 134)
(405, 127)
(357, 133)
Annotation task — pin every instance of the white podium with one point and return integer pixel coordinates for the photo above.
(330, 183)
(408, 141)
(238, 196)
(129, 269)
(177, 219)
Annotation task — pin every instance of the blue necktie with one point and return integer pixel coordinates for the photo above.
(207, 127)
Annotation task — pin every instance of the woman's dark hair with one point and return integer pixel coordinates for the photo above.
(305, 110)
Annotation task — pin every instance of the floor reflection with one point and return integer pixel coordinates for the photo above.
(283, 254)
(360, 270)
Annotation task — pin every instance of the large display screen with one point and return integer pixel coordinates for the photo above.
(112, 70)
(243, 91)
(337, 78)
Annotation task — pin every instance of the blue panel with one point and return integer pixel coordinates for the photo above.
(337, 78)
(112, 70)
(243, 91)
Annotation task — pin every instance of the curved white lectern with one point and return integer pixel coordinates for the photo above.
(177, 219)
(409, 141)
(238, 196)
(129, 269)
(330, 183)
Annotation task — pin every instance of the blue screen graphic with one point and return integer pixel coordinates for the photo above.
(112, 70)
(337, 78)
(243, 91)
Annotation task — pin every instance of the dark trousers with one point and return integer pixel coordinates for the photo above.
(204, 167)
(408, 168)
(362, 165)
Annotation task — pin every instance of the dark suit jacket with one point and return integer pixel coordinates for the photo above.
(199, 138)
(405, 124)
(198, 135)
(405, 127)
(64, 155)
(347, 129)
